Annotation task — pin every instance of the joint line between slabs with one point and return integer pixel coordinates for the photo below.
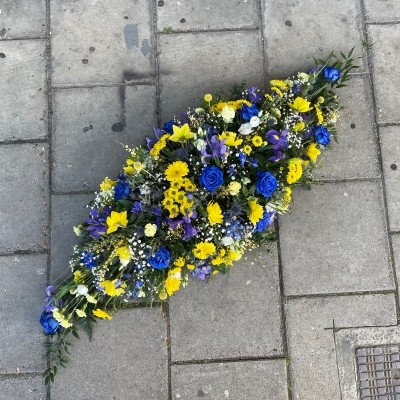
(376, 22)
(149, 82)
(379, 154)
(18, 375)
(340, 294)
(227, 360)
(24, 38)
(262, 42)
(156, 62)
(22, 141)
(283, 329)
(165, 309)
(210, 30)
(336, 357)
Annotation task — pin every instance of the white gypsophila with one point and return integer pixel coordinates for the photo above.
(245, 129)
(254, 122)
(227, 114)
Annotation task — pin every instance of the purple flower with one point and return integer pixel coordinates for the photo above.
(278, 139)
(231, 170)
(202, 272)
(97, 222)
(137, 207)
(217, 147)
(50, 291)
(168, 126)
(242, 158)
(186, 222)
(150, 141)
(254, 97)
(278, 156)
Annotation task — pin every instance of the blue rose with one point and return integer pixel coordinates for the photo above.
(121, 190)
(160, 259)
(266, 183)
(249, 111)
(331, 74)
(322, 135)
(49, 323)
(168, 126)
(211, 178)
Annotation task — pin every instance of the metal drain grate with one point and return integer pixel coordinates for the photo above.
(378, 372)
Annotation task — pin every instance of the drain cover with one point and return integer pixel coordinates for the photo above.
(378, 372)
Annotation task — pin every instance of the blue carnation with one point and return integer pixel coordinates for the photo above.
(211, 178)
(160, 259)
(331, 74)
(322, 135)
(249, 111)
(266, 183)
(49, 324)
(121, 190)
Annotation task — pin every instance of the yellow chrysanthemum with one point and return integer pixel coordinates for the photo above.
(301, 105)
(107, 184)
(101, 314)
(287, 197)
(320, 117)
(110, 289)
(247, 149)
(173, 281)
(181, 134)
(214, 213)
(277, 91)
(256, 212)
(295, 170)
(59, 317)
(257, 141)
(230, 139)
(176, 171)
(124, 255)
(117, 220)
(268, 96)
(190, 267)
(232, 104)
(313, 152)
(156, 149)
(204, 250)
(281, 84)
(179, 262)
(189, 185)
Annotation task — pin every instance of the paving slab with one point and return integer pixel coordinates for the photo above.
(87, 143)
(24, 197)
(127, 359)
(255, 380)
(311, 344)
(390, 146)
(335, 240)
(211, 321)
(30, 388)
(296, 30)
(355, 155)
(23, 281)
(386, 69)
(93, 42)
(23, 104)
(207, 14)
(349, 341)
(382, 10)
(22, 19)
(67, 211)
(185, 71)
(396, 254)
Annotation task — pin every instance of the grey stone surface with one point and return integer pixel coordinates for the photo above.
(127, 359)
(94, 42)
(30, 388)
(382, 10)
(335, 240)
(22, 18)
(207, 14)
(386, 69)
(295, 31)
(347, 341)
(23, 280)
(396, 254)
(311, 343)
(186, 74)
(87, 143)
(213, 321)
(355, 154)
(67, 211)
(255, 380)
(24, 197)
(390, 146)
(23, 103)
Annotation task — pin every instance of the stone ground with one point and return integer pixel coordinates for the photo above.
(78, 77)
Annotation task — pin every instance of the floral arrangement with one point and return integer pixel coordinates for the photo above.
(206, 187)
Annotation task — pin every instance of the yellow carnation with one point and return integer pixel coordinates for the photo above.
(204, 250)
(214, 213)
(101, 314)
(295, 170)
(173, 281)
(110, 289)
(313, 152)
